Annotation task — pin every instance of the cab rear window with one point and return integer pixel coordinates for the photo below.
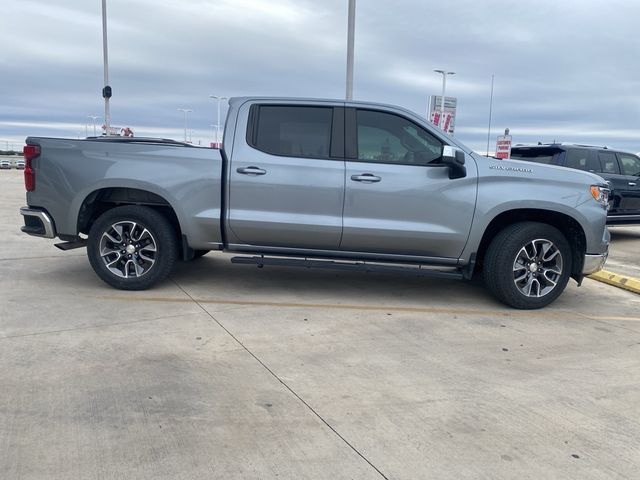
(537, 155)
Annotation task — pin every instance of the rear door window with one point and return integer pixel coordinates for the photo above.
(608, 162)
(292, 131)
(582, 159)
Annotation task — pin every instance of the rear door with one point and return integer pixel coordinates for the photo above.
(398, 196)
(287, 177)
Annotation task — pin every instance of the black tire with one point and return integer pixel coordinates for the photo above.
(126, 224)
(527, 265)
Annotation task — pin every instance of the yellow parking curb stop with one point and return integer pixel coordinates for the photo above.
(627, 283)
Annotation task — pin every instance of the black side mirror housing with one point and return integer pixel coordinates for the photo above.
(453, 158)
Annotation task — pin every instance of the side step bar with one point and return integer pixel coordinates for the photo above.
(416, 270)
(81, 242)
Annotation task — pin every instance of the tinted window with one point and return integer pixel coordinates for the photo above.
(630, 164)
(581, 159)
(292, 131)
(387, 138)
(536, 154)
(608, 162)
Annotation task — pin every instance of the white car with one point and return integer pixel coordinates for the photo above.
(20, 164)
(5, 164)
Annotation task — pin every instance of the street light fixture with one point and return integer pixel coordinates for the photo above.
(218, 98)
(444, 87)
(185, 111)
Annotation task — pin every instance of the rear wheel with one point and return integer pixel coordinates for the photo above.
(132, 247)
(527, 265)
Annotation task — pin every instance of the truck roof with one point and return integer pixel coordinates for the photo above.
(334, 101)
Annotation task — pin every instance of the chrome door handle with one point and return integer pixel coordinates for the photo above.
(632, 184)
(366, 178)
(251, 171)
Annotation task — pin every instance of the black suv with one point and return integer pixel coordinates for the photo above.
(621, 171)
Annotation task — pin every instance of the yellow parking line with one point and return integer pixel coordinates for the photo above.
(379, 308)
(339, 306)
(621, 281)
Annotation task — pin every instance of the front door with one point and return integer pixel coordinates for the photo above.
(630, 169)
(287, 177)
(618, 182)
(398, 195)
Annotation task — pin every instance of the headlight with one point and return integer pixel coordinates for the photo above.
(600, 194)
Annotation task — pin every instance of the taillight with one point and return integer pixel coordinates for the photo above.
(30, 152)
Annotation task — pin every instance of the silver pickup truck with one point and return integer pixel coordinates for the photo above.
(319, 183)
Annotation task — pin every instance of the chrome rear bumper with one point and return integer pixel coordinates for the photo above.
(37, 223)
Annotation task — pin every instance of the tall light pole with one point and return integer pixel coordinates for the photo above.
(93, 117)
(490, 111)
(444, 88)
(351, 26)
(185, 111)
(106, 91)
(218, 98)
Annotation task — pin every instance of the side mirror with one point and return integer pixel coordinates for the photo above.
(454, 159)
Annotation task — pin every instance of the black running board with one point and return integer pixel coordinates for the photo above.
(71, 245)
(416, 270)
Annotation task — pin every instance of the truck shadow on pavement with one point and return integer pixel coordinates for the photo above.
(214, 276)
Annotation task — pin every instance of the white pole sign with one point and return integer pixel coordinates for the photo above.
(503, 147)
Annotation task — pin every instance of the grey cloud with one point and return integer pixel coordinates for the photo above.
(563, 70)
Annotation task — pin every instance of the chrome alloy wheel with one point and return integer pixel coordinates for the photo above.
(537, 268)
(128, 249)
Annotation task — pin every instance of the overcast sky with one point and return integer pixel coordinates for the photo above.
(565, 70)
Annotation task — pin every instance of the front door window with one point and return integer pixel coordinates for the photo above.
(630, 165)
(388, 138)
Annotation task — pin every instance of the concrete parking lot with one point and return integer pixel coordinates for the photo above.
(229, 371)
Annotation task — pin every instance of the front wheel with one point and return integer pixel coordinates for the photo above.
(132, 247)
(527, 265)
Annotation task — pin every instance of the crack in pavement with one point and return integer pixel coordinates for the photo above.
(102, 325)
(290, 389)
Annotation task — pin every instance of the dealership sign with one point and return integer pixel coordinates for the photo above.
(447, 121)
(503, 147)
